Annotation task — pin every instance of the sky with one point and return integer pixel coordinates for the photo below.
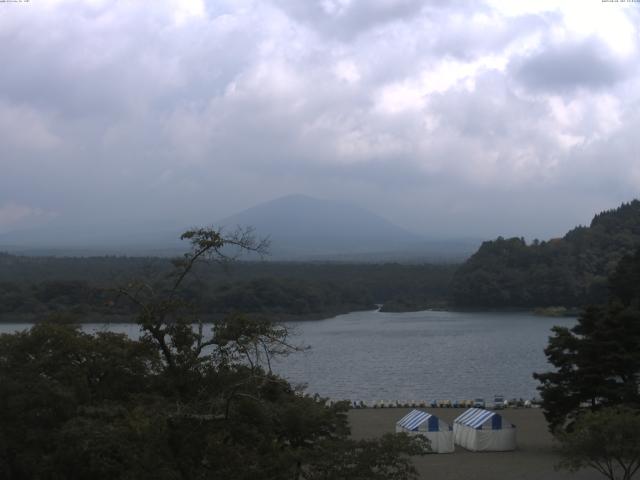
(449, 118)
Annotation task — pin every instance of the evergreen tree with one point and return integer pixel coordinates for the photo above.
(598, 360)
(570, 271)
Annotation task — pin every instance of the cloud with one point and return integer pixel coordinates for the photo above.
(345, 19)
(446, 116)
(26, 129)
(14, 215)
(565, 67)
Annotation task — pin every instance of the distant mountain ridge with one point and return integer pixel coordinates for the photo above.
(570, 271)
(301, 228)
(299, 225)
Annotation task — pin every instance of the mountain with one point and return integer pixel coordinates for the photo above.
(305, 227)
(570, 271)
(301, 228)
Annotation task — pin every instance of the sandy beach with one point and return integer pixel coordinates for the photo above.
(533, 459)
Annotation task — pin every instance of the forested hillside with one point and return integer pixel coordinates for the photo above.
(571, 271)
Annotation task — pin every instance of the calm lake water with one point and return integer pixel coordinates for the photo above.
(427, 355)
(422, 355)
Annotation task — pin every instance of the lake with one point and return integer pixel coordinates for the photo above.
(428, 355)
(422, 355)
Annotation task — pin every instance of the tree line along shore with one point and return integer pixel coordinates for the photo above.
(554, 277)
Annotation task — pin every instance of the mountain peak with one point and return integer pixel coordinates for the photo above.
(303, 225)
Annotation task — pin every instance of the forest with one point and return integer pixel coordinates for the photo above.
(571, 271)
(33, 287)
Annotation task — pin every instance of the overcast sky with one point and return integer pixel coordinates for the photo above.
(450, 118)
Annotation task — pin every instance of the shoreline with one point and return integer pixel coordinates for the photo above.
(92, 318)
(559, 312)
(120, 319)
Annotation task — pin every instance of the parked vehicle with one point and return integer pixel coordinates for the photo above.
(498, 402)
(479, 403)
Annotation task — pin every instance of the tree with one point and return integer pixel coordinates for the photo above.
(597, 364)
(367, 459)
(55, 380)
(165, 316)
(180, 403)
(567, 271)
(598, 360)
(607, 440)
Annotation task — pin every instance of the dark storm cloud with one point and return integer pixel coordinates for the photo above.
(346, 19)
(564, 67)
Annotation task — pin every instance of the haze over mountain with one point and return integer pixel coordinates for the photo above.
(299, 223)
(306, 228)
(95, 238)
(299, 227)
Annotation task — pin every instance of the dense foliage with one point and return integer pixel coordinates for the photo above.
(607, 440)
(32, 287)
(569, 271)
(79, 406)
(180, 403)
(598, 361)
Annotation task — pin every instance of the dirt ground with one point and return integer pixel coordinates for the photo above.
(533, 459)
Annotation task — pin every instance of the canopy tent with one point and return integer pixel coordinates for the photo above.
(482, 430)
(439, 433)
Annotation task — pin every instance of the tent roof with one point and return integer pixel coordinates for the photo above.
(475, 417)
(414, 419)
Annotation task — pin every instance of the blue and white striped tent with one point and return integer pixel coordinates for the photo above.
(482, 430)
(439, 433)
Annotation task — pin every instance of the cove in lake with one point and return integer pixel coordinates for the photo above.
(413, 356)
